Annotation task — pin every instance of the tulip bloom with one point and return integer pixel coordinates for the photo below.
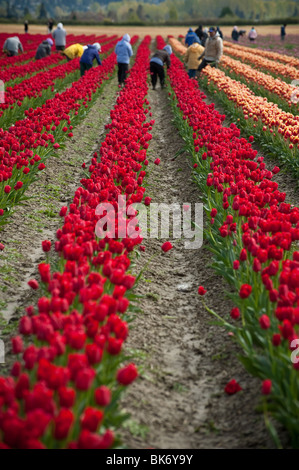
(266, 387)
(201, 290)
(166, 246)
(245, 291)
(232, 387)
(127, 375)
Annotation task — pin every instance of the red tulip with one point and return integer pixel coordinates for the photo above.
(127, 375)
(232, 387)
(201, 290)
(166, 246)
(266, 387)
(245, 291)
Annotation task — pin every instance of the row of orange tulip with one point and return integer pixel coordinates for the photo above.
(274, 85)
(177, 45)
(285, 59)
(256, 107)
(253, 106)
(261, 62)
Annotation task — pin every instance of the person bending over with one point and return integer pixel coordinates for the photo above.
(88, 56)
(12, 46)
(157, 62)
(73, 51)
(44, 49)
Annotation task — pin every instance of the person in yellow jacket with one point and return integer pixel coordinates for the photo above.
(191, 58)
(71, 52)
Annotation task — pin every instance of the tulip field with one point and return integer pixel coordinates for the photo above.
(116, 341)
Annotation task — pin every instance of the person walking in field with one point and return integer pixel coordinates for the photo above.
(88, 56)
(50, 25)
(124, 51)
(13, 46)
(59, 36)
(157, 62)
(252, 35)
(235, 34)
(283, 32)
(44, 49)
(26, 26)
(218, 30)
(190, 37)
(191, 58)
(213, 51)
(74, 51)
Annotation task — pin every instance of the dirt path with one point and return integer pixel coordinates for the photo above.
(38, 219)
(179, 401)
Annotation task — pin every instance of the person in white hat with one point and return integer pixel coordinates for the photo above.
(88, 56)
(123, 50)
(59, 36)
(12, 46)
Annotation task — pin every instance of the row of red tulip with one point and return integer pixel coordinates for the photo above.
(64, 388)
(29, 65)
(277, 130)
(30, 43)
(33, 87)
(29, 68)
(26, 145)
(253, 233)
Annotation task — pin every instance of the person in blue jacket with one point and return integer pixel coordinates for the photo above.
(190, 37)
(123, 50)
(88, 56)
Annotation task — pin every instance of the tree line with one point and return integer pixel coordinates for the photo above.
(149, 11)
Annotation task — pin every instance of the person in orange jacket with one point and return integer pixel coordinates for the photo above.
(191, 58)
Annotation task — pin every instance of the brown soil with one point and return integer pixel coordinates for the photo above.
(179, 400)
(141, 31)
